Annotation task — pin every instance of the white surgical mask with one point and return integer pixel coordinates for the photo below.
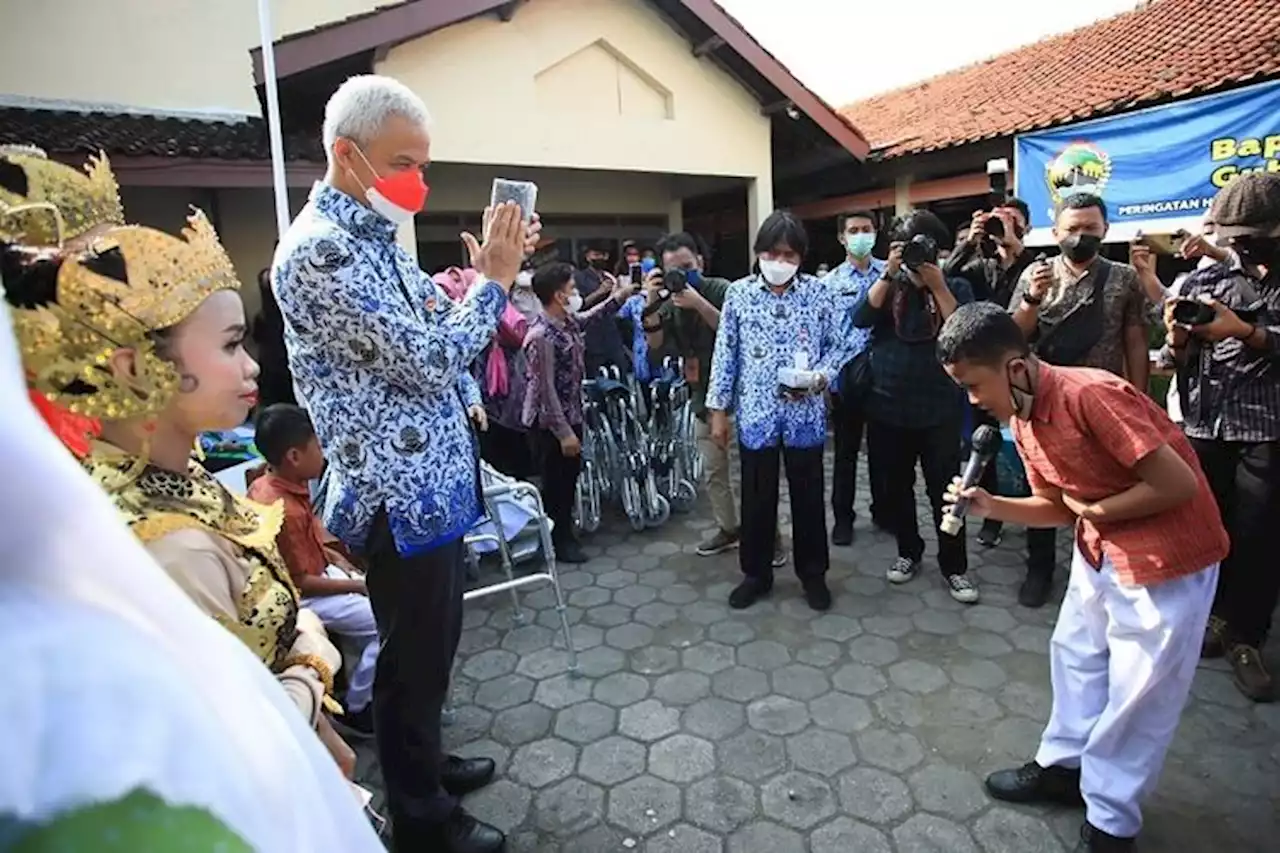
(777, 272)
(575, 303)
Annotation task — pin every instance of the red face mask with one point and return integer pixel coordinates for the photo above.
(398, 196)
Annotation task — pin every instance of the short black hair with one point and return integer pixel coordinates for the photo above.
(981, 333)
(782, 227)
(1081, 201)
(549, 279)
(842, 219)
(678, 240)
(924, 222)
(280, 428)
(1018, 205)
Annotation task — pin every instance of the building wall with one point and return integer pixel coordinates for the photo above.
(582, 84)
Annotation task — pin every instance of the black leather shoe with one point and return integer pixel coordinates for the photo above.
(1094, 840)
(1035, 590)
(460, 833)
(1032, 783)
(749, 592)
(358, 723)
(842, 533)
(461, 776)
(817, 594)
(569, 551)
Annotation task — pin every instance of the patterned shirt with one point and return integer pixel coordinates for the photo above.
(554, 354)
(632, 310)
(760, 332)
(1088, 431)
(378, 356)
(849, 285)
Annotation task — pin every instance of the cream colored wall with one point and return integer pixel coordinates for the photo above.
(465, 188)
(160, 54)
(589, 84)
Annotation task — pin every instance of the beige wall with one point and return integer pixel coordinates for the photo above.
(585, 84)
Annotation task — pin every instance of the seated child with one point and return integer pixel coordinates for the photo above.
(331, 585)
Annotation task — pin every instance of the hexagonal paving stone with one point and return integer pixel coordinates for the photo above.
(751, 755)
(948, 791)
(590, 596)
(684, 839)
(654, 660)
(586, 636)
(732, 633)
(629, 637)
(822, 752)
(682, 688)
(634, 596)
(562, 691)
(621, 689)
(859, 679)
(612, 760)
(821, 653)
(777, 715)
(713, 718)
(1031, 638)
(762, 836)
(506, 691)
(740, 684)
(925, 833)
(763, 654)
(798, 800)
(501, 803)
(720, 803)
(543, 663)
(649, 720)
(988, 618)
(585, 722)
(616, 579)
(916, 676)
(841, 712)
(708, 658)
(799, 681)
(980, 674)
(875, 651)
(542, 762)
(1003, 830)
(832, 626)
(899, 708)
(681, 758)
(644, 805)
(896, 751)
(889, 626)
(477, 640)
(984, 644)
(843, 835)
(942, 622)
(522, 724)
(527, 639)
(873, 795)
(1027, 700)
(601, 661)
(490, 664)
(705, 612)
(485, 749)
(678, 594)
(609, 615)
(569, 808)
(656, 614)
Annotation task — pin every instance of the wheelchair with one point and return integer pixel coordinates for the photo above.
(673, 446)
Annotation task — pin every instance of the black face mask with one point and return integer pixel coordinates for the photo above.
(1080, 248)
(1255, 251)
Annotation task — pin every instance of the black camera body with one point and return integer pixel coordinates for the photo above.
(918, 251)
(675, 281)
(1193, 312)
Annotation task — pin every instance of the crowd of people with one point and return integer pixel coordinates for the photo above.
(398, 384)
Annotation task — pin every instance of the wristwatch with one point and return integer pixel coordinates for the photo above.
(1033, 301)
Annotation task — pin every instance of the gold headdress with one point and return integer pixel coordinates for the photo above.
(67, 343)
(59, 203)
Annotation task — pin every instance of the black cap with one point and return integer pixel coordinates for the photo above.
(1249, 205)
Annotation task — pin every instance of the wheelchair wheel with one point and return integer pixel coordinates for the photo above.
(683, 496)
(633, 504)
(588, 499)
(660, 509)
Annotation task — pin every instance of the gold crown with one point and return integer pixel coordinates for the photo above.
(67, 345)
(60, 203)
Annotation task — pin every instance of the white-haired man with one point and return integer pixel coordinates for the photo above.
(376, 354)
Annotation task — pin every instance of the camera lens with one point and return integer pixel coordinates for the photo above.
(994, 226)
(674, 280)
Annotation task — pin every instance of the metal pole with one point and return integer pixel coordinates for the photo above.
(273, 117)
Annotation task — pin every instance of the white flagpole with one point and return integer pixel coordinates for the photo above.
(273, 117)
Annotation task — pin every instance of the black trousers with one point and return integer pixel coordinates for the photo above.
(937, 449)
(1245, 478)
(849, 420)
(559, 479)
(507, 450)
(417, 603)
(759, 527)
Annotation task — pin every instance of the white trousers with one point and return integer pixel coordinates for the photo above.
(350, 615)
(1122, 660)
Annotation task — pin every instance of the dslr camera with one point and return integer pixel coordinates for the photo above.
(918, 251)
(675, 281)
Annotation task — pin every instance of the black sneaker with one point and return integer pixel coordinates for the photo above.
(720, 541)
(1035, 589)
(1250, 673)
(1094, 840)
(1032, 783)
(989, 533)
(842, 533)
(749, 592)
(817, 594)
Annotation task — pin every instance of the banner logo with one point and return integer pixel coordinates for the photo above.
(1081, 167)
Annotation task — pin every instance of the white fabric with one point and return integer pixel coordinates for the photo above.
(113, 680)
(351, 615)
(515, 513)
(1122, 661)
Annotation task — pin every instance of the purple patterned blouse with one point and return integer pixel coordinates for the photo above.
(553, 352)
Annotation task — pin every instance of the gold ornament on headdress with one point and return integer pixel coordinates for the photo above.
(67, 345)
(60, 202)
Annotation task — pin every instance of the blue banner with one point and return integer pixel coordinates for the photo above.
(1161, 163)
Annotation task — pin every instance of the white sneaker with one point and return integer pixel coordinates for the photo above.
(903, 570)
(779, 556)
(962, 589)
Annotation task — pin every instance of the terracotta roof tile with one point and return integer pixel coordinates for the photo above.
(1162, 50)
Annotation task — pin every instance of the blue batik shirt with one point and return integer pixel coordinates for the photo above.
(633, 310)
(761, 331)
(379, 357)
(849, 286)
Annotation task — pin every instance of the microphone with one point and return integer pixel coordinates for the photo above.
(986, 444)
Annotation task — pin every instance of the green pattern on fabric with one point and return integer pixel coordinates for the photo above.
(139, 822)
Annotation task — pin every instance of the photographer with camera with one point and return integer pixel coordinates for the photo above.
(1223, 333)
(914, 410)
(992, 257)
